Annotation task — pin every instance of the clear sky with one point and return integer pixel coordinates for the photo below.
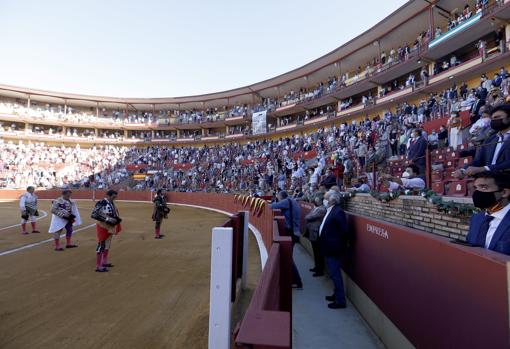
(158, 48)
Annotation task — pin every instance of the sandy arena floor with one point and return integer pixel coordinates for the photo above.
(156, 295)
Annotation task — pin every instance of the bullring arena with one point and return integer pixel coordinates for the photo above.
(360, 200)
(156, 296)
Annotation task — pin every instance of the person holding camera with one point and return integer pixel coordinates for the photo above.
(108, 223)
(64, 215)
(160, 212)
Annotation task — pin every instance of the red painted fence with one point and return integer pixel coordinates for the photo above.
(440, 295)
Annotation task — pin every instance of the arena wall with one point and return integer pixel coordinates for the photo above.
(261, 220)
(418, 289)
(410, 211)
(432, 293)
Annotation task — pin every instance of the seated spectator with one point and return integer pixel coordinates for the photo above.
(329, 180)
(409, 180)
(481, 129)
(496, 97)
(433, 140)
(362, 186)
(494, 153)
(442, 136)
(490, 229)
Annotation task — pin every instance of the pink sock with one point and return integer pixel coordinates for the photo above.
(68, 239)
(158, 230)
(24, 227)
(105, 257)
(57, 243)
(99, 258)
(33, 226)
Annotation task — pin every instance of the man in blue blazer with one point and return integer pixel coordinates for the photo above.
(490, 228)
(494, 153)
(333, 237)
(417, 149)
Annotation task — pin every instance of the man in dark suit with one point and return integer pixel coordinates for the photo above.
(329, 180)
(475, 108)
(333, 237)
(490, 228)
(417, 149)
(494, 153)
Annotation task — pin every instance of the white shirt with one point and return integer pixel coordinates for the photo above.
(324, 220)
(494, 224)
(408, 183)
(501, 139)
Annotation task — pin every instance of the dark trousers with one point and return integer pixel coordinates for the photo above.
(335, 273)
(402, 149)
(394, 150)
(317, 257)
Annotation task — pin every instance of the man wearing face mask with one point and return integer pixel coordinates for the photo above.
(490, 228)
(409, 180)
(416, 152)
(494, 153)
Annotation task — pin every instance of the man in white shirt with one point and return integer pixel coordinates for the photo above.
(409, 180)
(490, 228)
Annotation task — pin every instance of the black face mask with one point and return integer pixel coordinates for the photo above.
(499, 124)
(483, 199)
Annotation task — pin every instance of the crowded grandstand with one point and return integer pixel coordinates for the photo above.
(406, 127)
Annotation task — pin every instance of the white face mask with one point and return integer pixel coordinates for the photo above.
(405, 175)
(325, 203)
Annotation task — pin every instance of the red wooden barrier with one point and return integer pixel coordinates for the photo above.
(267, 323)
(440, 295)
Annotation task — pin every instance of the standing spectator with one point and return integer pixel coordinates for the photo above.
(394, 142)
(333, 237)
(402, 143)
(499, 37)
(313, 221)
(481, 45)
(455, 136)
(292, 213)
(362, 153)
(417, 149)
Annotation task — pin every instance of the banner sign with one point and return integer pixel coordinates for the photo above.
(259, 122)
